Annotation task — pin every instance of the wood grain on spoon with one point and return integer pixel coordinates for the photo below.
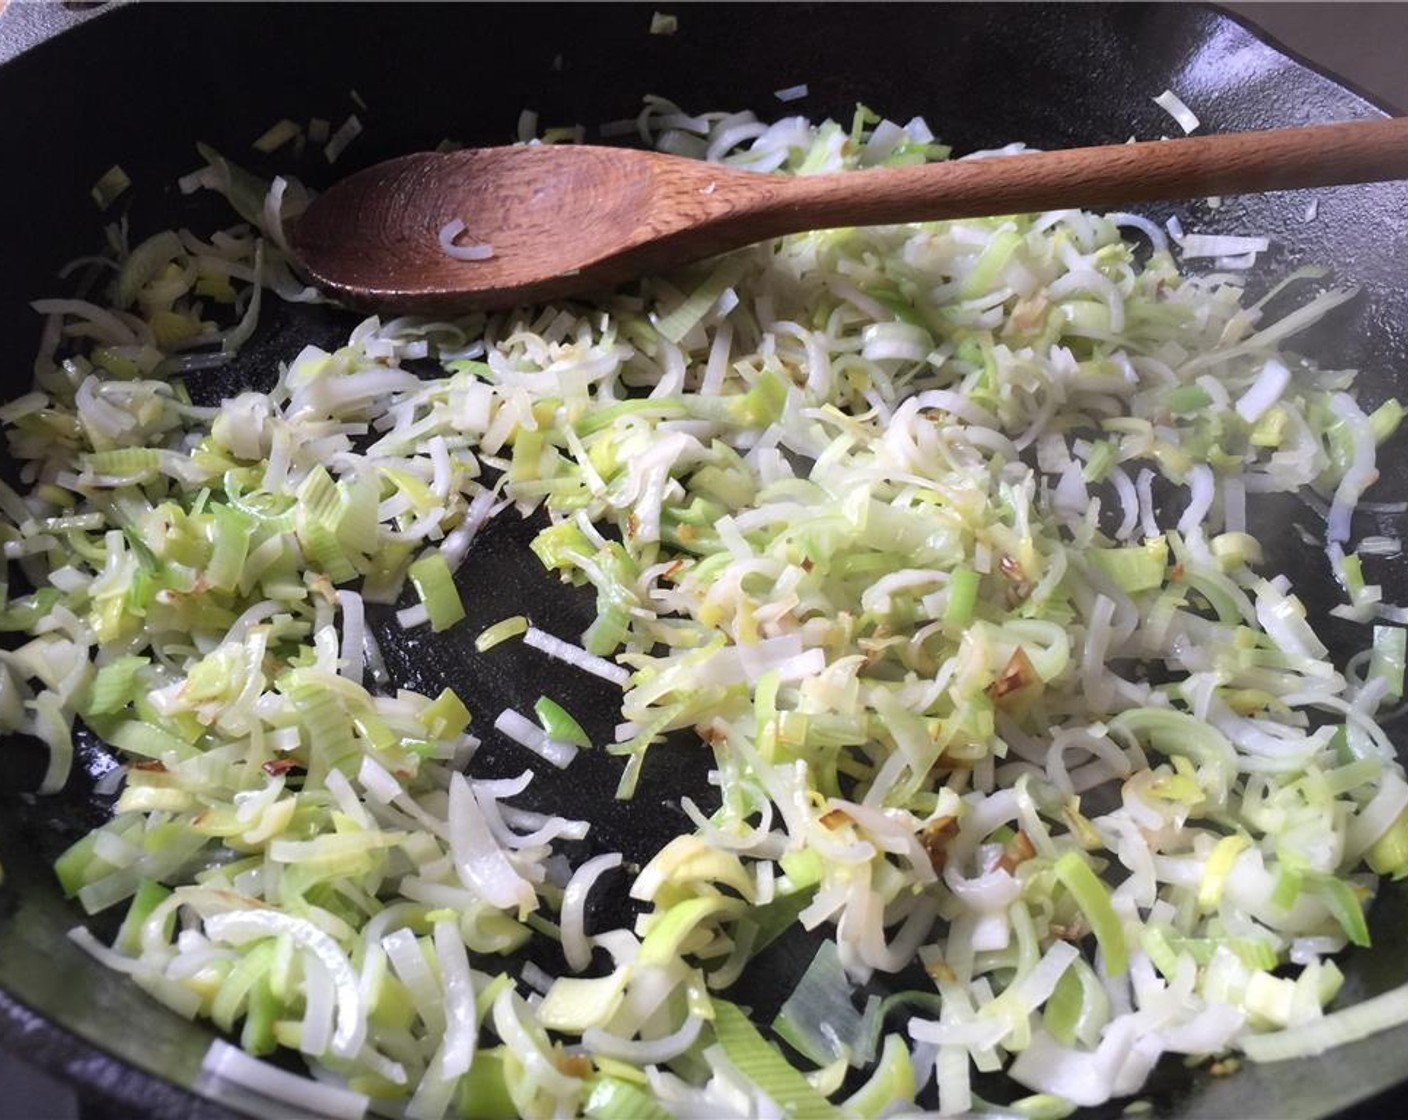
(567, 220)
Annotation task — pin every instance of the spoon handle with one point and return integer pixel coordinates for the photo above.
(1233, 163)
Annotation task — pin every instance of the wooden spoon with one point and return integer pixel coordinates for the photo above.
(567, 220)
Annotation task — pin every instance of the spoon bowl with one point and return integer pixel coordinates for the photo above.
(564, 220)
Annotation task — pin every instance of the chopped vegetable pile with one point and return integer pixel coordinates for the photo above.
(938, 535)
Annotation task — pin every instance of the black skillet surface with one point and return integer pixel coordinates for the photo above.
(139, 85)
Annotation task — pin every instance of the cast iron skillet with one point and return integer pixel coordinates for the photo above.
(139, 85)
